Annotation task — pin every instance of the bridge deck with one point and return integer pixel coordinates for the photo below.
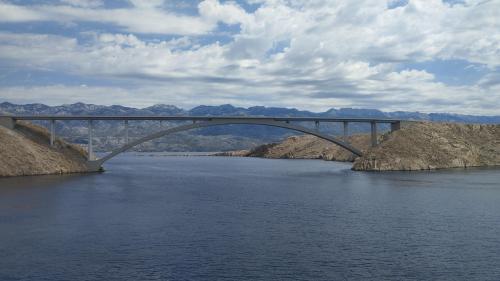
(202, 118)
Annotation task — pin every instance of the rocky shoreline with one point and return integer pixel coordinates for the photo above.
(416, 146)
(431, 146)
(25, 150)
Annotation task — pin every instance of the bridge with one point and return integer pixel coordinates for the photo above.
(201, 122)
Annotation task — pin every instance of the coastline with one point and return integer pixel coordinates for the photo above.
(416, 146)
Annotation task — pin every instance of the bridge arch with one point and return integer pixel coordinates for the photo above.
(96, 164)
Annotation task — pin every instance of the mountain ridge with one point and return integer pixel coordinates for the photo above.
(109, 134)
(228, 109)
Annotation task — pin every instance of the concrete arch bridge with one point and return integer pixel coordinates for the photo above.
(196, 122)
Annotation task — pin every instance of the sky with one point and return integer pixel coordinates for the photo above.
(411, 55)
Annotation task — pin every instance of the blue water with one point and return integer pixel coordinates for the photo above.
(216, 218)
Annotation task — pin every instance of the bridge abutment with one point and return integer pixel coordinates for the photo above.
(395, 126)
(94, 166)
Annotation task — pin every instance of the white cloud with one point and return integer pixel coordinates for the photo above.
(15, 13)
(149, 4)
(229, 12)
(84, 3)
(143, 18)
(311, 54)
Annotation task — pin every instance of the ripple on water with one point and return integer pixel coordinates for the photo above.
(216, 218)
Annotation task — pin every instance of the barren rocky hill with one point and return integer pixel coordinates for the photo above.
(305, 147)
(417, 146)
(26, 151)
(310, 147)
(425, 145)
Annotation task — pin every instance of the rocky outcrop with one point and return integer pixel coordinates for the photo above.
(310, 147)
(26, 151)
(416, 146)
(428, 146)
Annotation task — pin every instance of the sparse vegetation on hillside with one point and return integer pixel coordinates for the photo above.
(417, 146)
(426, 145)
(26, 151)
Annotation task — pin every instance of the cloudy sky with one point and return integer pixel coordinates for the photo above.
(419, 55)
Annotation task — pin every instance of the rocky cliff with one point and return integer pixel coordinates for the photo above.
(428, 146)
(26, 151)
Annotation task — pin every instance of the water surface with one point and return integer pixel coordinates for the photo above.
(217, 218)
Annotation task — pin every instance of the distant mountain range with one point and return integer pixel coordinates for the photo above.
(109, 134)
(229, 110)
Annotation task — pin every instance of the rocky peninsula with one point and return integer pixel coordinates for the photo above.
(25, 150)
(416, 146)
(430, 146)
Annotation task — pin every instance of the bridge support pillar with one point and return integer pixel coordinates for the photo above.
(90, 149)
(346, 130)
(126, 131)
(395, 126)
(374, 133)
(7, 122)
(52, 132)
